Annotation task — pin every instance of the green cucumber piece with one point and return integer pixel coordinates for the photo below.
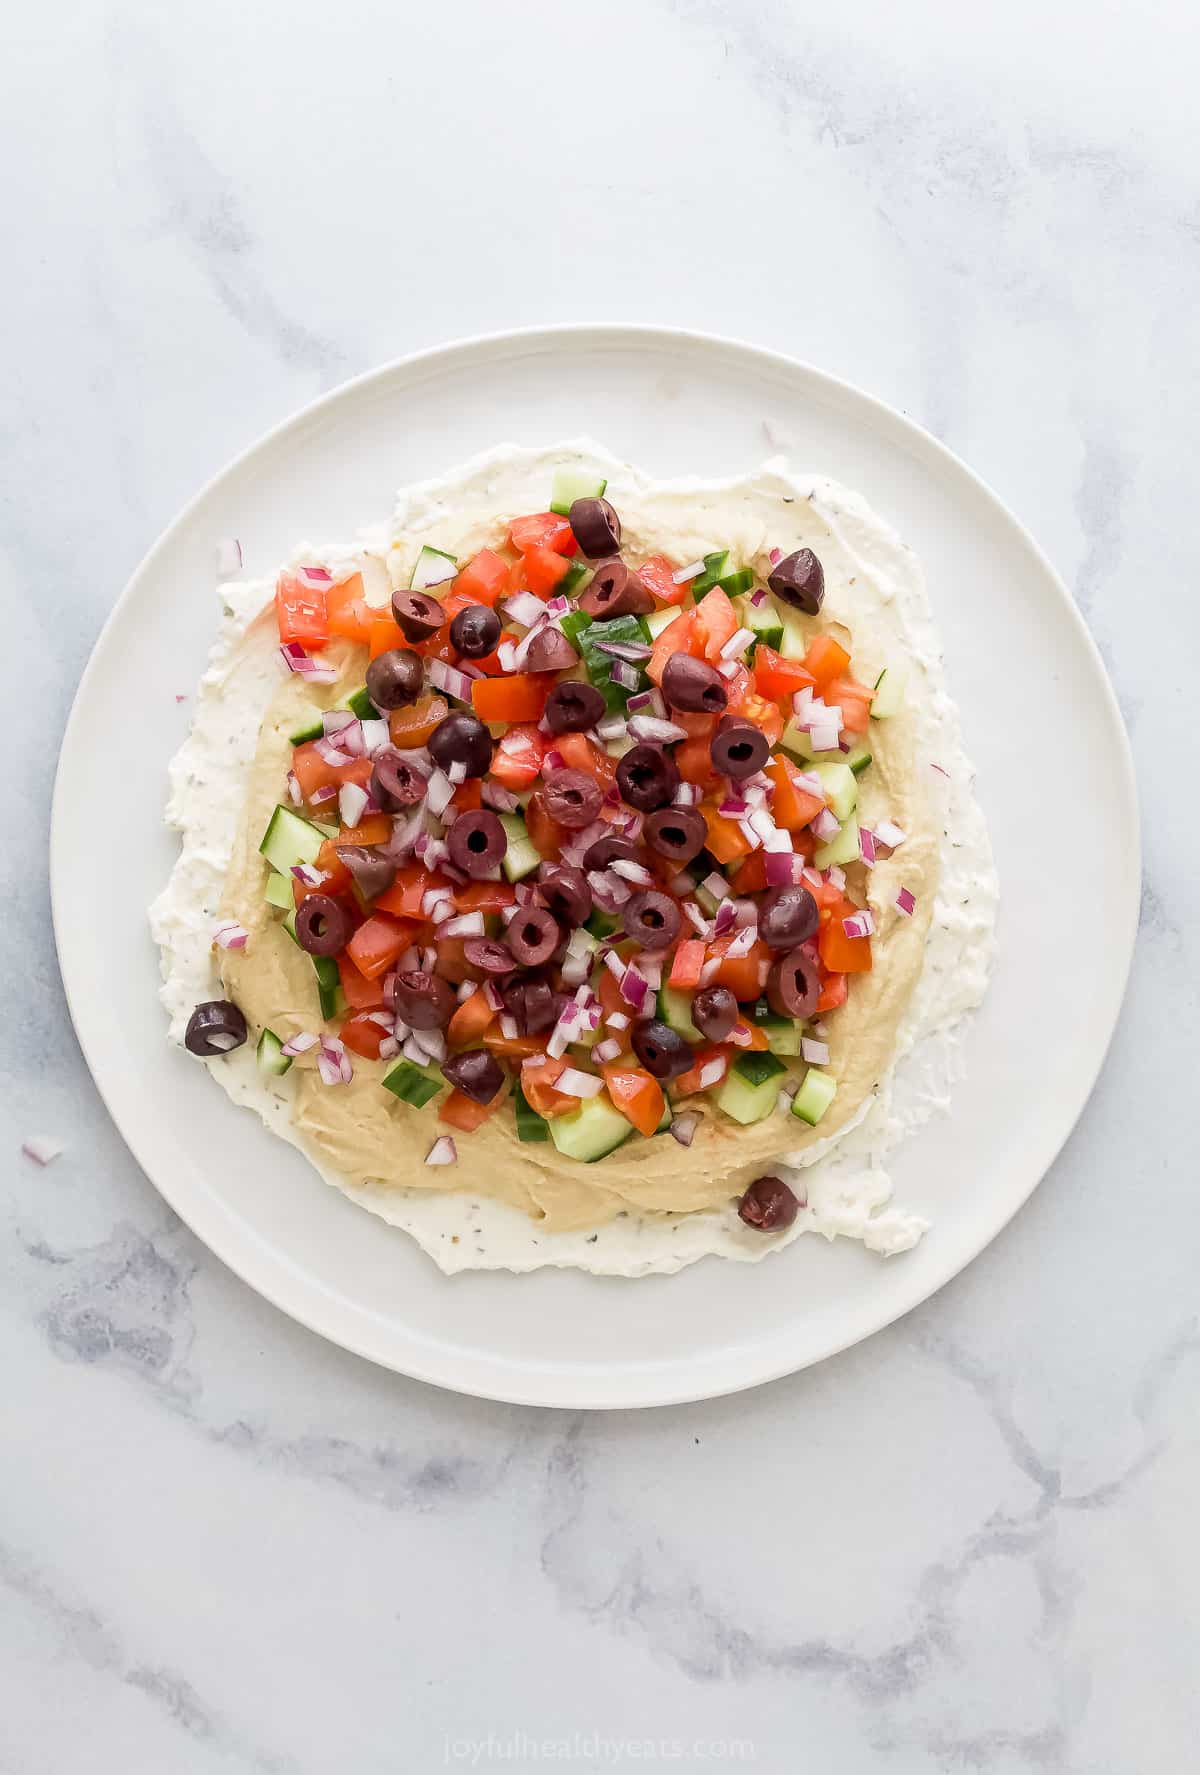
(531, 1127)
(794, 644)
(289, 839)
(590, 1132)
(278, 892)
(430, 568)
(783, 1033)
(841, 788)
(271, 1058)
(312, 731)
(289, 925)
(796, 741)
(413, 1084)
(574, 624)
(668, 1116)
(763, 620)
(675, 1010)
(739, 581)
(570, 484)
(814, 1096)
(890, 688)
(756, 1068)
(845, 848)
(362, 705)
(858, 759)
(599, 665)
(715, 565)
(329, 985)
(750, 1099)
(602, 924)
(573, 581)
(520, 859)
(658, 620)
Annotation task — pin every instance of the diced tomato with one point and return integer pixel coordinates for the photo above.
(379, 943)
(470, 1020)
(826, 660)
(300, 612)
(546, 835)
(833, 992)
(484, 578)
(688, 964)
(452, 963)
(853, 699)
(517, 761)
(516, 577)
(438, 646)
(468, 797)
(638, 1096)
(406, 893)
(743, 974)
(716, 622)
(514, 1047)
(695, 725)
(491, 663)
(346, 607)
(655, 574)
(361, 994)
(758, 711)
(610, 998)
(362, 1035)
(688, 1083)
(371, 828)
(777, 678)
(537, 1082)
(751, 875)
(579, 753)
(842, 954)
(680, 636)
(385, 633)
(412, 726)
(522, 698)
(694, 759)
(542, 530)
(791, 806)
(313, 773)
(463, 1113)
(543, 570)
(726, 840)
(484, 896)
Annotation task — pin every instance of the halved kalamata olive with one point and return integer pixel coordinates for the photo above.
(566, 893)
(476, 1073)
(694, 685)
(662, 1051)
(395, 678)
(573, 799)
(739, 748)
(371, 867)
(488, 956)
(418, 616)
(324, 925)
(573, 707)
(615, 590)
(794, 986)
(609, 849)
(597, 527)
(799, 580)
(651, 919)
(475, 631)
(532, 1003)
(714, 1012)
(462, 739)
(768, 1204)
(550, 651)
(533, 936)
(677, 833)
(424, 1001)
(477, 841)
(215, 1027)
(787, 916)
(395, 783)
(647, 777)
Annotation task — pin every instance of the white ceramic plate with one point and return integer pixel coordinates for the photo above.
(674, 403)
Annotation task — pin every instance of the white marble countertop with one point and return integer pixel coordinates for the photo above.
(969, 1544)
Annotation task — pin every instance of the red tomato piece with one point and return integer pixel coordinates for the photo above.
(579, 753)
(412, 726)
(655, 574)
(484, 578)
(385, 633)
(826, 659)
(362, 1035)
(378, 944)
(469, 1022)
(361, 994)
(522, 698)
(839, 953)
(300, 612)
(833, 992)
(716, 622)
(777, 678)
(680, 636)
(688, 964)
(544, 568)
(465, 1114)
(518, 758)
(542, 530)
(638, 1096)
(791, 806)
(546, 835)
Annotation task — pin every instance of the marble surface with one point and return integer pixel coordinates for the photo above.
(969, 1544)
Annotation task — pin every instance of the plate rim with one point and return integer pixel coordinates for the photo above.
(541, 1388)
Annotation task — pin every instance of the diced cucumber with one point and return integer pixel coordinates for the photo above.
(362, 705)
(794, 644)
(289, 925)
(706, 901)
(413, 1084)
(431, 568)
(602, 924)
(751, 1090)
(714, 566)
(843, 849)
(675, 1009)
(668, 1116)
(271, 1058)
(312, 730)
(573, 579)
(531, 1126)
(278, 891)
(520, 859)
(590, 1132)
(841, 788)
(570, 484)
(763, 620)
(814, 1096)
(289, 839)
(574, 624)
(329, 985)
(783, 1033)
(658, 620)
(858, 759)
(739, 581)
(797, 742)
(890, 688)
(627, 629)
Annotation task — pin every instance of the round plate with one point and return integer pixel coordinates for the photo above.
(674, 403)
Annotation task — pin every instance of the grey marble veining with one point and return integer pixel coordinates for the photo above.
(969, 1544)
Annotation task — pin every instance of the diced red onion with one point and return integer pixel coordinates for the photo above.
(627, 676)
(742, 942)
(649, 727)
(449, 679)
(687, 795)
(693, 570)
(906, 902)
(628, 870)
(887, 832)
(695, 917)
(710, 970)
(229, 557)
(750, 835)
(764, 825)
(334, 756)
(300, 1044)
(778, 866)
(293, 786)
(775, 557)
(495, 795)
(352, 803)
(608, 890)
(940, 771)
(816, 1053)
(467, 924)
(836, 877)
(633, 987)
(733, 808)
(825, 826)
(506, 656)
(389, 1047)
(617, 1020)
(606, 1050)
(737, 644)
(631, 825)
(824, 739)
(866, 846)
(745, 912)
(712, 1072)
(559, 606)
(574, 1083)
(553, 760)
(809, 782)
(801, 703)
(442, 1152)
(612, 728)
(524, 608)
(384, 1019)
(740, 1036)
(683, 1128)
(327, 792)
(729, 668)
(633, 651)
(333, 1062)
(716, 886)
(683, 883)
(375, 736)
(457, 772)
(333, 720)
(308, 874)
(491, 993)
(859, 924)
(43, 1149)
(508, 1027)
(314, 576)
(431, 1042)
(411, 1051)
(439, 794)
(230, 935)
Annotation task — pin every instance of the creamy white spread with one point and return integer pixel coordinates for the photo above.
(844, 1183)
